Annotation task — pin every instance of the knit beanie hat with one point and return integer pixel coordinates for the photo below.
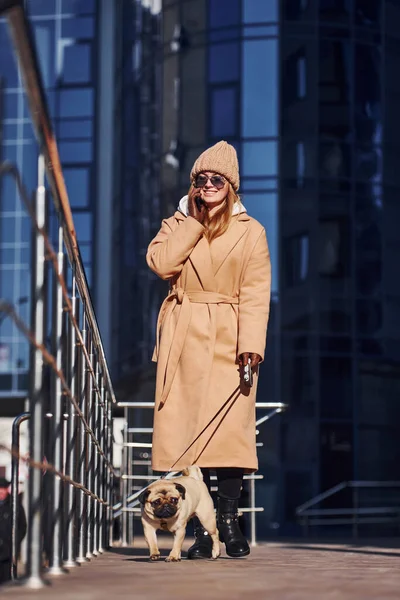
(220, 158)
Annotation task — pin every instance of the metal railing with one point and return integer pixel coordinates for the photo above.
(70, 393)
(128, 507)
(354, 515)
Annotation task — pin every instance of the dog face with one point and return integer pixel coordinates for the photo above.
(162, 500)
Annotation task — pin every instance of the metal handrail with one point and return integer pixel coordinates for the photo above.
(300, 510)
(27, 58)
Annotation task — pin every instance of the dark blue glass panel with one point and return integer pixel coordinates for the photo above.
(76, 66)
(77, 182)
(77, 28)
(260, 11)
(223, 13)
(76, 103)
(83, 226)
(260, 88)
(224, 117)
(224, 62)
(78, 7)
(42, 7)
(45, 43)
(264, 208)
(76, 152)
(260, 158)
(75, 129)
(8, 67)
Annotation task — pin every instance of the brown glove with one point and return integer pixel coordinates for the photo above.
(244, 359)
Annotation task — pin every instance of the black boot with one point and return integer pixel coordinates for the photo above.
(202, 547)
(228, 526)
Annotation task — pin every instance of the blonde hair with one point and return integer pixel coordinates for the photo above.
(219, 223)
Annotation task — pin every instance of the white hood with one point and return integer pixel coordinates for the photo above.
(238, 207)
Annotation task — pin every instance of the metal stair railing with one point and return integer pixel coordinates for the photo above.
(70, 384)
(128, 507)
(353, 516)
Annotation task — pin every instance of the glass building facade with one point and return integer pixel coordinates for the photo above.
(306, 91)
(66, 41)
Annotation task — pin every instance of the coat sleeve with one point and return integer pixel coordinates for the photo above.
(170, 248)
(254, 299)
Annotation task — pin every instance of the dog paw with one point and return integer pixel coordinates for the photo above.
(215, 554)
(154, 557)
(173, 558)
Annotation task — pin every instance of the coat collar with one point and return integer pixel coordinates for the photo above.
(200, 257)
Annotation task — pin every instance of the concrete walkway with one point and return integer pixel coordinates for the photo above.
(278, 570)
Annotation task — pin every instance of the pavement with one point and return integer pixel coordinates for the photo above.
(292, 570)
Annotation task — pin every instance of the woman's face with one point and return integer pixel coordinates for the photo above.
(210, 194)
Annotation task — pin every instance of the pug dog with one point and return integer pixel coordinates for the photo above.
(168, 504)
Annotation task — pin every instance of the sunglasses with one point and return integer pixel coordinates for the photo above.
(216, 180)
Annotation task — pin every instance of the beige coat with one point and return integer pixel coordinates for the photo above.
(217, 308)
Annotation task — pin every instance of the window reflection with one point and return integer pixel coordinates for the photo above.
(295, 77)
(255, 11)
(335, 10)
(45, 44)
(224, 112)
(260, 88)
(76, 102)
(76, 152)
(369, 317)
(83, 226)
(76, 63)
(77, 183)
(224, 62)
(260, 158)
(77, 28)
(223, 13)
(264, 208)
(296, 255)
(336, 390)
(368, 12)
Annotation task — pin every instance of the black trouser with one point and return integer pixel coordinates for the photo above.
(230, 481)
(5, 571)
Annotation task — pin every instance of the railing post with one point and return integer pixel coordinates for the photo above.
(57, 422)
(124, 462)
(38, 326)
(81, 498)
(100, 479)
(95, 453)
(253, 514)
(14, 491)
(70, 492)
(89, 453)
(110, 480)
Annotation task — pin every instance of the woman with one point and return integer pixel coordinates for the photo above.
(213, 321)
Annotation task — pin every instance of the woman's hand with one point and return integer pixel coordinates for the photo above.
(192, 206)
(244, 359)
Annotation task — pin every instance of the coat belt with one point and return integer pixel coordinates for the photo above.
(174, 348)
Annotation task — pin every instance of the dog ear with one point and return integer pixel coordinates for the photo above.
(143, 496)
(181, 490)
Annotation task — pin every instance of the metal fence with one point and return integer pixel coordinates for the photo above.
(71, 476)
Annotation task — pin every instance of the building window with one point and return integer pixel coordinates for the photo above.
(300, 164)
(224, 112)
(333, 251)
(293, 9)
(260, 159)
(264, 208)
(255, 11)
(75, 63)
(260, 88)
(296, 259)
(301, 77)
(295, 77)
(224, 13)
(224, 62)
